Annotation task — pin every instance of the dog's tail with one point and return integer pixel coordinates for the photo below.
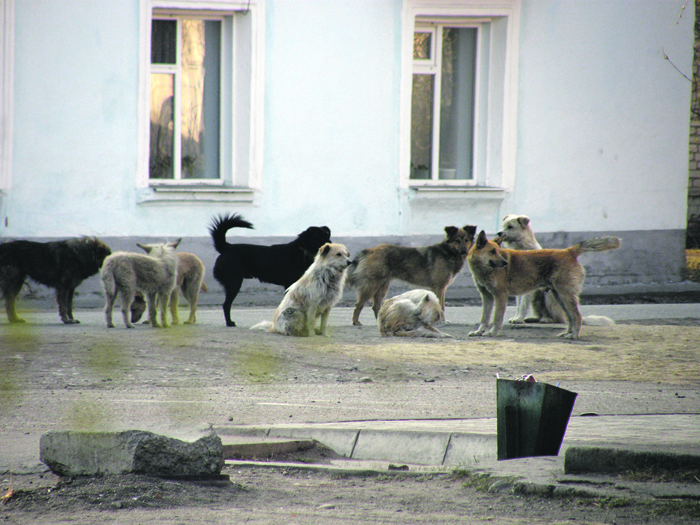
(263, 326)
(597, 320)
(108, 280)
(223, 223)
(597, 244)
(353, 272)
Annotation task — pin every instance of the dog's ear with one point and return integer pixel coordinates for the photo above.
(175, 244)
(450, 231)
(470, 231)
(326, 230)
(524, 220)
(481, 240)
(325, 250)
(145, 247)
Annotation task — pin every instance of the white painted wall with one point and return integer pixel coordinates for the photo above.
(603, 118)
(602, 123)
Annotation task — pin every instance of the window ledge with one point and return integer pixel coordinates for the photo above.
(475, 192)
(165, 194)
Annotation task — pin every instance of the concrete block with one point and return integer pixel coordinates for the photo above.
(418, 448)
(341, 441)
(468, 449)
(72, 453)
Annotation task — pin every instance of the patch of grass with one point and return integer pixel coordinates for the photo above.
(660, 475)
(692, 265)
(676, 507)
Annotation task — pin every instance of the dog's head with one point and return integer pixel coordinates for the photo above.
(100, 251)
(430, 311)
(311, 239)
(485, 254)
(333, 255)
(158, 250)
(459, 239)
(138, 307)
(515, 229)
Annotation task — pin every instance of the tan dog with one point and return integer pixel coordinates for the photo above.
(411, 314)
(190, 280)
(434, 267)
(517, 234)
(154, 274)
(499, 273)
(312, 296)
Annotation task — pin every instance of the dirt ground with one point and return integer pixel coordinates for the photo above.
(659, 352)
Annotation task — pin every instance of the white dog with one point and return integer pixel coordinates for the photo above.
(517, 234)
(312, 296)
(154, 274)
(411, 314)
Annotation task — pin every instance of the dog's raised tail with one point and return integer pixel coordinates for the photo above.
(352, 275)
(597, 244)
(223, 223)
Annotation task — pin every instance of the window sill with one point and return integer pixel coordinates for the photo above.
(474, 192)
(177, 194)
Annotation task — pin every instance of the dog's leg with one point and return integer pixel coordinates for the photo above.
(64, 298)
(440, 292)
(498, 314)
(523, 305)
(109, 306)
(12, 285)
(324, 322)
(192, 295)
(486, 308)
(378, 298)
(163, 300)
(362, 298)
(569, 302)
(174, 301)
(151, 305)
(232, 288)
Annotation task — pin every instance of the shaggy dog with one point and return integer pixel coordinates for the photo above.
(62, 265)
(411, 314)
(517, 234)
(281, 264)
(154, 274)
(190, 280)
(499, 273)
(312, 296)
(434, 267)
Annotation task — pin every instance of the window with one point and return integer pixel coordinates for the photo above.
(458, 95)
(185, 107)
(442, 102)
(201, 102)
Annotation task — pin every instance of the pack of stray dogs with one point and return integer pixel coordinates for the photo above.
(313, 272)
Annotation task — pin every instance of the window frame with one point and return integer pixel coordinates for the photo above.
(495, 119)
(241, 102)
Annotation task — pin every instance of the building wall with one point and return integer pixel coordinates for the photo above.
(602, 130)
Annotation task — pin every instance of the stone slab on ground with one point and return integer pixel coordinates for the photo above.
(75, 453)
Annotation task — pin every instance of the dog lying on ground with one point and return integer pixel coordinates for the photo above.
(517, 234)
(123, 274)
(190, 280)
(281, 264)
(434, 267)
(499, 273)
(312, 296)
(62, 265)
(411, 314)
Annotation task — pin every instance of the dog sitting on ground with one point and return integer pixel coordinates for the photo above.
(62, 265)
(434, 267)
(123, 274)
(312, 296)
(190, 280)
(500, 272)
(517, 234)
(281, 264)
(411, 314)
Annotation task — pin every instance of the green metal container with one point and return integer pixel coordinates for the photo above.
(532, 418)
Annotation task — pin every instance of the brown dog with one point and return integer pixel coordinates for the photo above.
(434, 267)
(499, 273)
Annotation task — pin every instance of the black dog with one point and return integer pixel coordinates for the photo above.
(62, 265)
(281, 264)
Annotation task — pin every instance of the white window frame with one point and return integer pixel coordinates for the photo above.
(242, 99)
(495, 120)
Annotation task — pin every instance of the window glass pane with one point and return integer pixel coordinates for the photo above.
(457, 102)
(421, 126)
(421, 45)
(163, 41)
(161, 153)
(201, 43)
